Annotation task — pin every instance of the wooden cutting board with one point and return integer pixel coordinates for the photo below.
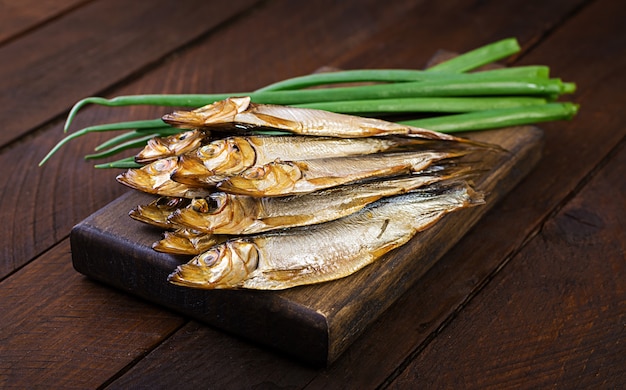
(314, 323)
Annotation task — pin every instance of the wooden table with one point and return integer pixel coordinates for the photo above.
(534, 296)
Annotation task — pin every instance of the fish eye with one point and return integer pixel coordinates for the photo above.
(183, 137)
(215, 202)
(212, 149)
(163, 165)
(210, 257)
(212, 204)
(254, 173)
(200, 205)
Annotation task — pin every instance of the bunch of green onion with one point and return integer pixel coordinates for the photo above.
(448, 96)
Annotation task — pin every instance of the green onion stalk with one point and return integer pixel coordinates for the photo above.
(453, 95)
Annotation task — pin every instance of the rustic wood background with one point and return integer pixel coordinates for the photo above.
(534, 296)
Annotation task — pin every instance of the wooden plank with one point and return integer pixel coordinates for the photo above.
(42, 204)
(555, 315)
(32, 196)
(314, 323)
(459, 26)
(29, 194)
(91, 49)
(73, 332)
(571, 150)
(235, 364)
(19, 17)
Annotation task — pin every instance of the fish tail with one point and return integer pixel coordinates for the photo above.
(435, 135)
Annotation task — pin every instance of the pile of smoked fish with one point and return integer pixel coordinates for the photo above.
(317, 199)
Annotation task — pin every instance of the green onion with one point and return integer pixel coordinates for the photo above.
(144, 124)
(125, 163)
(423, 104)
(491, 119)
(156, 100)
(479, 57)
(478, 100)
(135, 143)
(467, 61)
(139, 133)
(396, 75)
(463, 86)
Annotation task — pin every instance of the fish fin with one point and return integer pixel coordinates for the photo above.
(286, 221)
(287, 275)
(326, 182)
(280, 123)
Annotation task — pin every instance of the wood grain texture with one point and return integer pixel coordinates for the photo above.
(432, 26)
(572, 278)
(20, 17)
(443, 291)
(235, 364)
(86, 51)
(32, 196)
(582, 44)
(73, 332)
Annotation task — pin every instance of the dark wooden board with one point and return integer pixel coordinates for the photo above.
(314, 323)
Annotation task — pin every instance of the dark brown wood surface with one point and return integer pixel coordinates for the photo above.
(533, 296)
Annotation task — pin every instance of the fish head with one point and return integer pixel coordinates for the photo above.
(276, 178)
(220, 112)
(154, 178)
(223, 266)
(207, 213)
(186, 242)
(149, 177)
(191, 170)
(157, 212)
(174, 242)
(173, 145)
(228, 156)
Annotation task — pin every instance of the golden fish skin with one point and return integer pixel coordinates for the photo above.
(156, 213)
(275, 261)
(170, 146)
(233, 155)
(187, 242)
(210, 163)
(301, 121)
(299, 177)
(223, 213)
(154, 178)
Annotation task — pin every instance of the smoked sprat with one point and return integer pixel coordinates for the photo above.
(277, 211)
